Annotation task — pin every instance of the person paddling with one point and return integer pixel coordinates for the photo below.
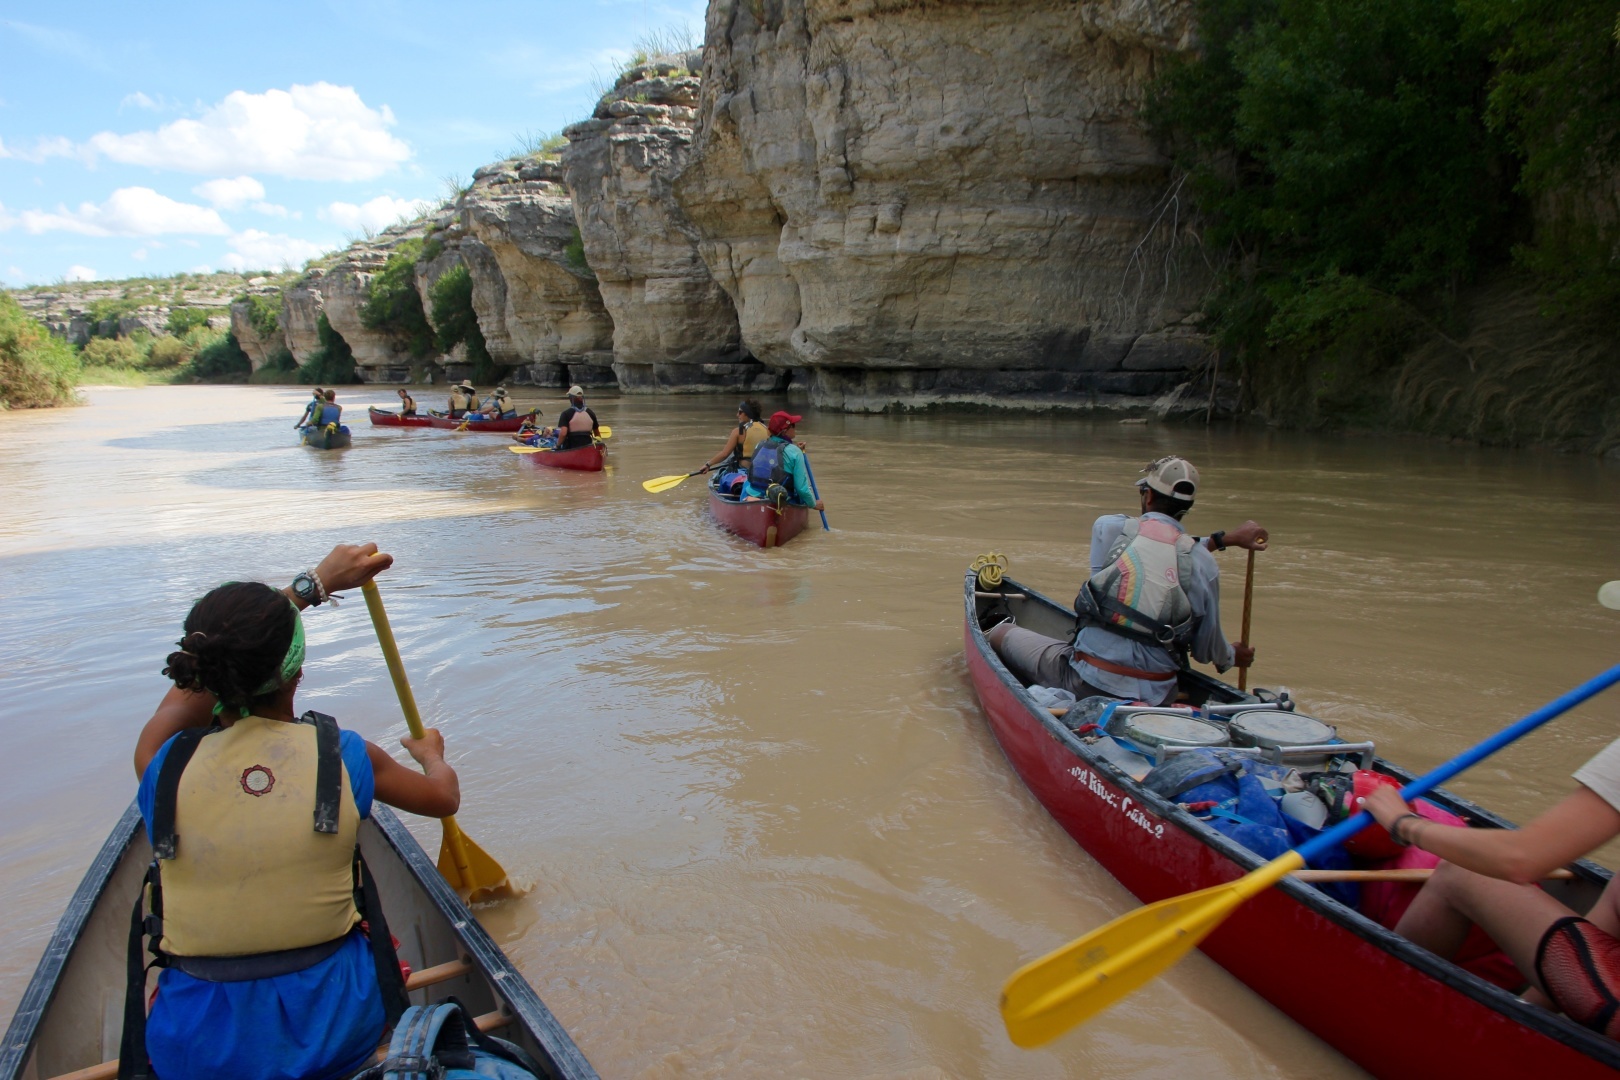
(1153, 596)
(778, 472)
(1572, 961)
(312, 408)
(253, 813)
(577, 425)
(407, 404)
(330, 411)
(740, 446)
(462, 398)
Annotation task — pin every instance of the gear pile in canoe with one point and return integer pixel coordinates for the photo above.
(326, 437)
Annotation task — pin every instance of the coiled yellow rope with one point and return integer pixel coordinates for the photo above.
(990, 567)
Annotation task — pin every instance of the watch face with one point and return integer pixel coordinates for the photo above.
(304, 586)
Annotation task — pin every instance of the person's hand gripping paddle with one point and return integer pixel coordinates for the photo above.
(465, 865)
(1044, 999)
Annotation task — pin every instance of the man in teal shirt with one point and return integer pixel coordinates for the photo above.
(780, 461)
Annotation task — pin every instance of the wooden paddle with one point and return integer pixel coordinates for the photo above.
(465, 865)
(1248, 606)
(665, 483)
(1413, 874)
(1045, 998)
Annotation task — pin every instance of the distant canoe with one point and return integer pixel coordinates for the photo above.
(384, 418)
(71, 1016)
(580, 459)
(330, 437)
(757, 522)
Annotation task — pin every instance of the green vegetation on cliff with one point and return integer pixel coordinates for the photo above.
(333, 362)
(394, 306)
(36, 369)
(453, 314)
(1371, 171)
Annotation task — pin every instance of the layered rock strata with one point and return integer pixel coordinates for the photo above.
(259, 347)
(674, 328)
(553, 314)
(941, 200)
(301, 308)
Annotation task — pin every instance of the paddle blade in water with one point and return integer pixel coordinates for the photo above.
(603, 431)
(483, 878)
(664, 483)
(1045, 998)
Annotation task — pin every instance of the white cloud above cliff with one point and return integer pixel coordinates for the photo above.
(131, 211)
(80, 273)
(252, 249)
(316, 132)
(378, 213)
(230, 194)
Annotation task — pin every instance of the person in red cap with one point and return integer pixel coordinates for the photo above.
(778, 472)
(1152, 598)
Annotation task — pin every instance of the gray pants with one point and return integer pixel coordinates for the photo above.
(1038, 660)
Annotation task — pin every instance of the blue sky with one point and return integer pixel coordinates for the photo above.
(150, 139)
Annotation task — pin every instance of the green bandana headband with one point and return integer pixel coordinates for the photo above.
(290, 665)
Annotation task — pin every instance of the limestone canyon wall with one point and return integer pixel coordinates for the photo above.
(934, 200)
(553, 317)
(674, 328)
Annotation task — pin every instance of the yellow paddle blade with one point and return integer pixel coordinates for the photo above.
(524, 449)
(664, 483)
(481, 877)
(1045, 998)
(603, 431)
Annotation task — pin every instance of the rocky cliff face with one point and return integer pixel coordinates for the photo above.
(931, 200)
(259, 347)
(674, 328)
(301, 307)
(553, 317)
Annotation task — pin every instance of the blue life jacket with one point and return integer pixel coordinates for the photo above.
(329, 414)
(768, 466)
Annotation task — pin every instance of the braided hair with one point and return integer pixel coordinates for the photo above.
(236, 638)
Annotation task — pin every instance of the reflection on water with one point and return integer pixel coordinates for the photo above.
(769, 832)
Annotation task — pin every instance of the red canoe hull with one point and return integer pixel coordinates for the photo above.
(580, 459)
(1396, 1010)
(383, 418)
(757, 522)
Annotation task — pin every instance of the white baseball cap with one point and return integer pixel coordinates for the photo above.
(1172, 476)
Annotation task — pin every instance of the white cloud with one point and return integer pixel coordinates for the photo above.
(15, 275)
(315, 132)
(201, 268)
(255, 250)
(137, 100)
(274, 210)
(43, 149)
(81, 273)
(133, 211)
(230, 194)
(379, 213)
(139, 254)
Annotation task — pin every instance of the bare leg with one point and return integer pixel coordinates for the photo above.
(1516, 917)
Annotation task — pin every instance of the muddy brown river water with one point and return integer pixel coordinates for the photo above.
(768, 830)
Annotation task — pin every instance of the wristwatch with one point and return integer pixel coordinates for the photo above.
(308, 589)
(1219, 536)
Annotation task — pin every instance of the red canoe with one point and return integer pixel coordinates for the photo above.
(384, 418)
(580, 458)
(1393, 1008)
(757, 522)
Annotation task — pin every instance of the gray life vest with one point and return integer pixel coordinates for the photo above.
(1140, 593)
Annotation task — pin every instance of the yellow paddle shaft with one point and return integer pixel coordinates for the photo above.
(413, 719)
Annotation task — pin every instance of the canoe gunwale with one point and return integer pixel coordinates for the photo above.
(1600, 1050)
(428, 419)
(36, 1000)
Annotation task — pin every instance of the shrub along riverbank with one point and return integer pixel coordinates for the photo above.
(1414, 206)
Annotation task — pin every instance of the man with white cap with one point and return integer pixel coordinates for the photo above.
(1152, 598)
(577, 425)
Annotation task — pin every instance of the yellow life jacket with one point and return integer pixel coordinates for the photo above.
(250, 873)
(460, 402)
(754, 434)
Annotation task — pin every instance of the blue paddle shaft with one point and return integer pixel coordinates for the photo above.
(813, 491)
(1465, 760)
